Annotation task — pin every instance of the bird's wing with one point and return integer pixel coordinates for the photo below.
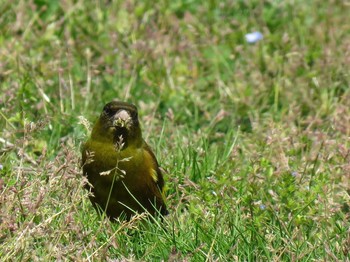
(159, 171)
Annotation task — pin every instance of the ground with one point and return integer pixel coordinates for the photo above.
(254, 136)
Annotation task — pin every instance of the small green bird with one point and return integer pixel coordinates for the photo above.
(123, 171)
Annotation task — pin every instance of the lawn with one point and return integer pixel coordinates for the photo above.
(255, 137)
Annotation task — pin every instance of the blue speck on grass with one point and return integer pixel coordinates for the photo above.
(254, 37)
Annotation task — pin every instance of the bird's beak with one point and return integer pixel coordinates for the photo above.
(122, 119)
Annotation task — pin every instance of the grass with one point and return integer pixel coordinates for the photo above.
(255, 136)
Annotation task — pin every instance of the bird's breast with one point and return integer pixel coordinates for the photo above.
(133, 166)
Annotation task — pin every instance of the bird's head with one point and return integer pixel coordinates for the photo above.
(118, 123)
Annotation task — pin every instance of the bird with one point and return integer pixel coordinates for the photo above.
(123, 174)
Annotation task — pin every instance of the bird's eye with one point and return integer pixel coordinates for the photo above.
(109, 111)
(134, 114)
